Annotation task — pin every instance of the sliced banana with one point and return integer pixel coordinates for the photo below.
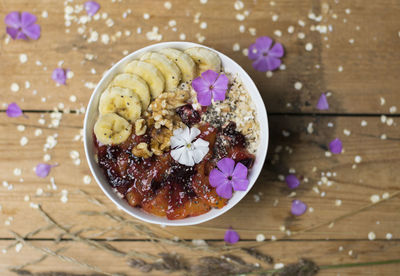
(150, 74)
(136, 84)
(168, 68)
(122, 101)
(112, 129)
(184, 62)
(205, 58)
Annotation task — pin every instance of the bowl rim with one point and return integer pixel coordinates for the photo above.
(261, 116)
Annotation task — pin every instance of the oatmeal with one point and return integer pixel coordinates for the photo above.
(176, 136)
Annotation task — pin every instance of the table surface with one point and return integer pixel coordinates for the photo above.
(355, 56)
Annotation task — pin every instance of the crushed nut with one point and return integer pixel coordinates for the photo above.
(160, 141)
(141, 150)
(140, 127)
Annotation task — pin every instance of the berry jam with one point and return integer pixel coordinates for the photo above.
(161, 186)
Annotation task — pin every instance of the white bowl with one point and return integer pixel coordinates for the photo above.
(92, 113)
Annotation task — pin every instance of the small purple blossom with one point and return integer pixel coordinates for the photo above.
(231, 236)
(265, 55)
(323, 102)
(298, 207)
(292, 181)
(229, 176)
(13, 110)
(91, 7)
(59, 75)
(336, 146)
(22, 25)
(42, 170)
(210, 85)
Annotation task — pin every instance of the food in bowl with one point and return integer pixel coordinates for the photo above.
(176, 133)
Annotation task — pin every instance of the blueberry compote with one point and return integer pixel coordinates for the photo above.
(161, 186)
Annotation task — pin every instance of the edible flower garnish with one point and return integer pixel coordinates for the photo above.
(210, 85)
(22, 25)
(265, 55)
(298, 207)
(59, 75)
(91, 7)
(292, 181)
(336, 146)
(13, 110)
(323, 102)
(231, 236)
(229, 176)
(185, 148)
(42, 170)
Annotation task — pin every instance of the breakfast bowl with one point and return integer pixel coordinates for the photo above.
(98, 110)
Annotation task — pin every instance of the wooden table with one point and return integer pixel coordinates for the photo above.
(355, 56)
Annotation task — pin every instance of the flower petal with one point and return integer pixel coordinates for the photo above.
(177, 153)
(193, 133)
(277, 50)
(253, 53)
(204, 98)
(267, 63)
(240, 171)
(210, 77)
(177, 142)
(226, 165)
(216, 178)
(32, 31)
(240, 184)
(59, 75)
(292, 181)
(199, 153)
(91, 7)
(323, 102)
(220, 87)
(200, 85)
(13, 110)
(224, 190)
(13, 32)
(263, 43)
(43, 170)
(231, 236)
(336, 146)
(13, 20)
(27, 19)
(21, 35)
(298, 207)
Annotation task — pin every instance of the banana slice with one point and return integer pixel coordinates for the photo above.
(184, 62)
(112, 129)
(205, 58)
(136, 84)
(150, 74)
(122, 101)
(168, 68)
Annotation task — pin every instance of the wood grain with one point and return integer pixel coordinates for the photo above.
(322, 252)
(369, 64)
(301, 151)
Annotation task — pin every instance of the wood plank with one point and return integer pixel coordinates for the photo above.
(369, 63)
(375, 175)
(321, 252)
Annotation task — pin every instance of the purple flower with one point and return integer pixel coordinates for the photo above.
(231, 236)
(265, 55)
(336, 146)
(43, 170)
(323, 102)
(210, 84)
(292, 181)
(13, 110)
(91, 7)
(229, 176)
(22, 25)
(59, 75)
(298, 207)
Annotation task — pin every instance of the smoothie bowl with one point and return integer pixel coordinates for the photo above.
(176, 133)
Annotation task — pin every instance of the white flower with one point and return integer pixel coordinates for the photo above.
(184, 150)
